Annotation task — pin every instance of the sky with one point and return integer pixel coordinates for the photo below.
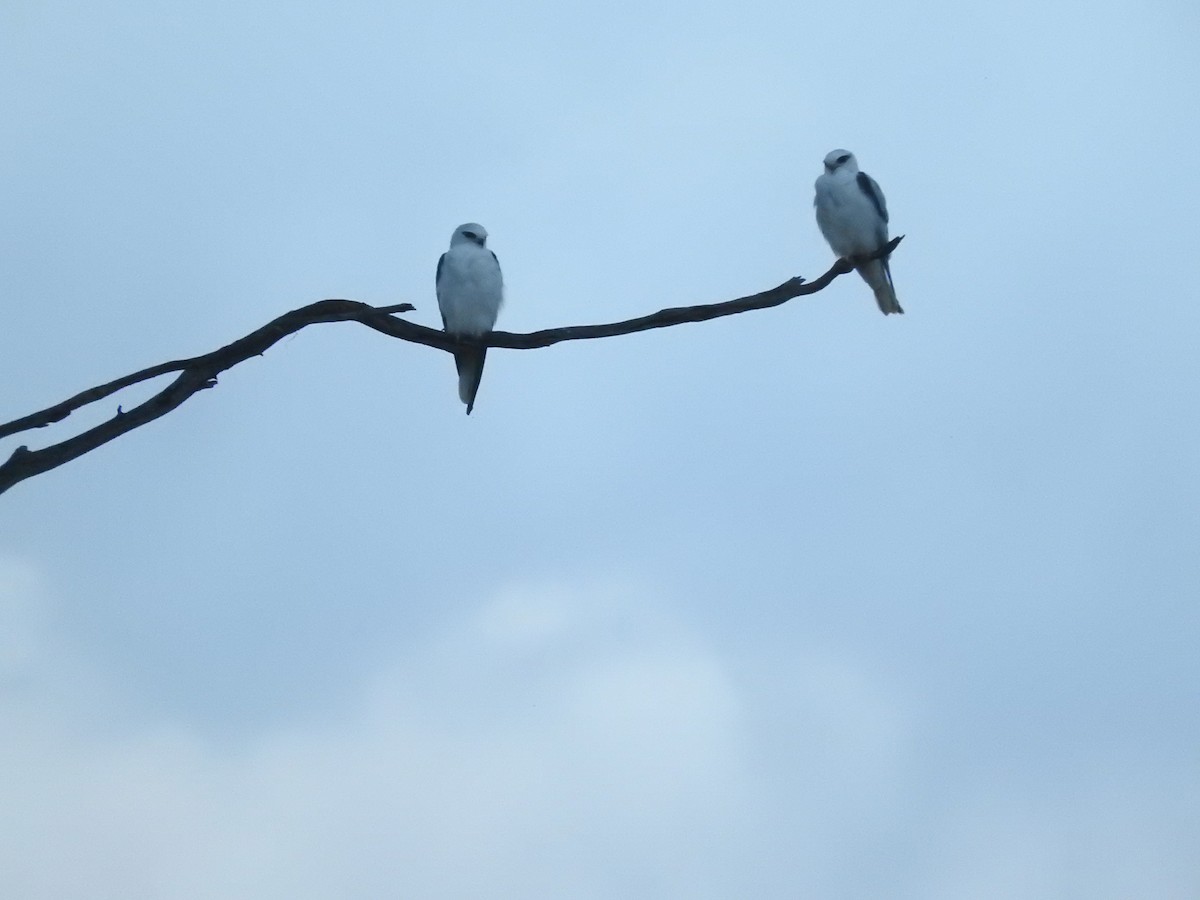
(806, 602)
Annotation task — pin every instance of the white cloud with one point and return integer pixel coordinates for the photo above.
(556, 741)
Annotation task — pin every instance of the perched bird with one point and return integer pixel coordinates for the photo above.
(852, 214)
(469, 292)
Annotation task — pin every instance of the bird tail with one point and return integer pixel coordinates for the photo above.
(470, 371)
(878, 275)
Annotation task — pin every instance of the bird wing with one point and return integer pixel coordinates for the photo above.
(437, 286)
(870, 188)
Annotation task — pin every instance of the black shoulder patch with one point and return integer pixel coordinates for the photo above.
(868, 186)
(494, 259)
(438, 277)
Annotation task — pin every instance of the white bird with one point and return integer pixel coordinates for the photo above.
(470, 290)
(852, 214)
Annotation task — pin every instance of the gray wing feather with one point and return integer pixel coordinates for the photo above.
(870, 187)
(437, 285)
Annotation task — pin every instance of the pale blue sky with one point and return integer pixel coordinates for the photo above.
(802, 603)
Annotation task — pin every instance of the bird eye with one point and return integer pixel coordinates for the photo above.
(470, 235)
(841, 159)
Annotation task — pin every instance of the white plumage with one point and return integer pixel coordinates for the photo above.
(470, 291)
(852, 214)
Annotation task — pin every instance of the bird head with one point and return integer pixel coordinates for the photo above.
(471, 233)
(840, 160)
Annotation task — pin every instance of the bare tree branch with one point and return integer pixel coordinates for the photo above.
(200, 372)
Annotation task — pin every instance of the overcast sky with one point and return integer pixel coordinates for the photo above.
(807, 602)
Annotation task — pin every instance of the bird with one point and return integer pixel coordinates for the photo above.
(470, 290)
(853, 216)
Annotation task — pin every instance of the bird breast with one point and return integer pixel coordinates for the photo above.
(470, 291)
(847, 218)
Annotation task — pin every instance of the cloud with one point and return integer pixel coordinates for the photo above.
(557, 740)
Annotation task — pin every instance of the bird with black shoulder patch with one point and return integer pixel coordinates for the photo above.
(853, 216)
